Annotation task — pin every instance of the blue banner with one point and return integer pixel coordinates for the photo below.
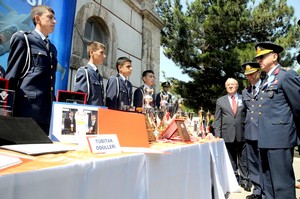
(15, 16)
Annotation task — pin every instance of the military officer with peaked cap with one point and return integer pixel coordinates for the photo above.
(165, 92)
(278, 104)
(252, 72)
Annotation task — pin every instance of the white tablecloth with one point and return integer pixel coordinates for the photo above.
(118, 177)
(187, 172)
(221, 171)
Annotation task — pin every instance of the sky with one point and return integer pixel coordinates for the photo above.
(171, 70)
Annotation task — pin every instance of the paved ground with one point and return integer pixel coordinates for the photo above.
(243, 194)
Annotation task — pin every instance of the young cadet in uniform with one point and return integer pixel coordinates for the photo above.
(148, 79)
(88, 78)
(118, 88)
(33, 79)
(278, 103)
(252, 72)
(164, 93)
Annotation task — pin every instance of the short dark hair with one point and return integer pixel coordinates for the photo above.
(146, 72)
(121, 61)
(39, 10)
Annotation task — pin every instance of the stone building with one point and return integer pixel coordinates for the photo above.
(128, 28)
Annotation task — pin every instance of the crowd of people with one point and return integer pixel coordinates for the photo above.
(259, 126)
(31, 67)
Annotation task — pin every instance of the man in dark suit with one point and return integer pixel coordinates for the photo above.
(252, 72)
(138, 96)
(229, 125)
(88, 78)
(119, 88)
(278, 105)
(93, 124)
(31, 68)
(69, 123)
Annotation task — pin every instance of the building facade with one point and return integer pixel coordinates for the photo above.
(128, 28)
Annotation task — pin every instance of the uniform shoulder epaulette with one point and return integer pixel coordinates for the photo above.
(24, 32)
(284, 69)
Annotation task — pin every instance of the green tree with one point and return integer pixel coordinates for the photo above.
(210, 40)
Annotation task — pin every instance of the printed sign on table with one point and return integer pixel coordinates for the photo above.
(73, 122)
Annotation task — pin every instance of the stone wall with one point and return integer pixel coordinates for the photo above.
(133, 30)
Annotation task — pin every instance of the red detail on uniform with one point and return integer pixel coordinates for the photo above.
(276, 71)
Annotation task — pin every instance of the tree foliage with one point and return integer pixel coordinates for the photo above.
(210, 40)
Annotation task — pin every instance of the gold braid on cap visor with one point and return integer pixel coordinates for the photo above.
(260, 52)
(250, 70)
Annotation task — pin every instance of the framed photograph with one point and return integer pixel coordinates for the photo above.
(71, 122)
(71, 97)
(184, 134)
(174, 126)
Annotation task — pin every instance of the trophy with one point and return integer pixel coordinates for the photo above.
(208, 114)
(163, 101)
(180, 111)
(201, 132)
(147, 99)
(156, 122)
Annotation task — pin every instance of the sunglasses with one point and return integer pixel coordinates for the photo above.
(262, 56)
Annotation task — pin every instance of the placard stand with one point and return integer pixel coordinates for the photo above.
(130, 127)
(177, 125)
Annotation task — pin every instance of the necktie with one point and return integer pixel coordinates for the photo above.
(254, 90)
(234, 106)
(47, 43)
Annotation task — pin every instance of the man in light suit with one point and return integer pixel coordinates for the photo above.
(278, 105)
(32, 73)
(253, 73)
(229, 125)
(88, 78)
(119, 88)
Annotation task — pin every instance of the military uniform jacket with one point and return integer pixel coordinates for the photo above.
(251, 104)
(227, 125)
(35, 91)
(278, 105)
(118, 93)
(96, 91)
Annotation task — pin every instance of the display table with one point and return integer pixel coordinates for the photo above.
(187, 171)
(221, 170)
